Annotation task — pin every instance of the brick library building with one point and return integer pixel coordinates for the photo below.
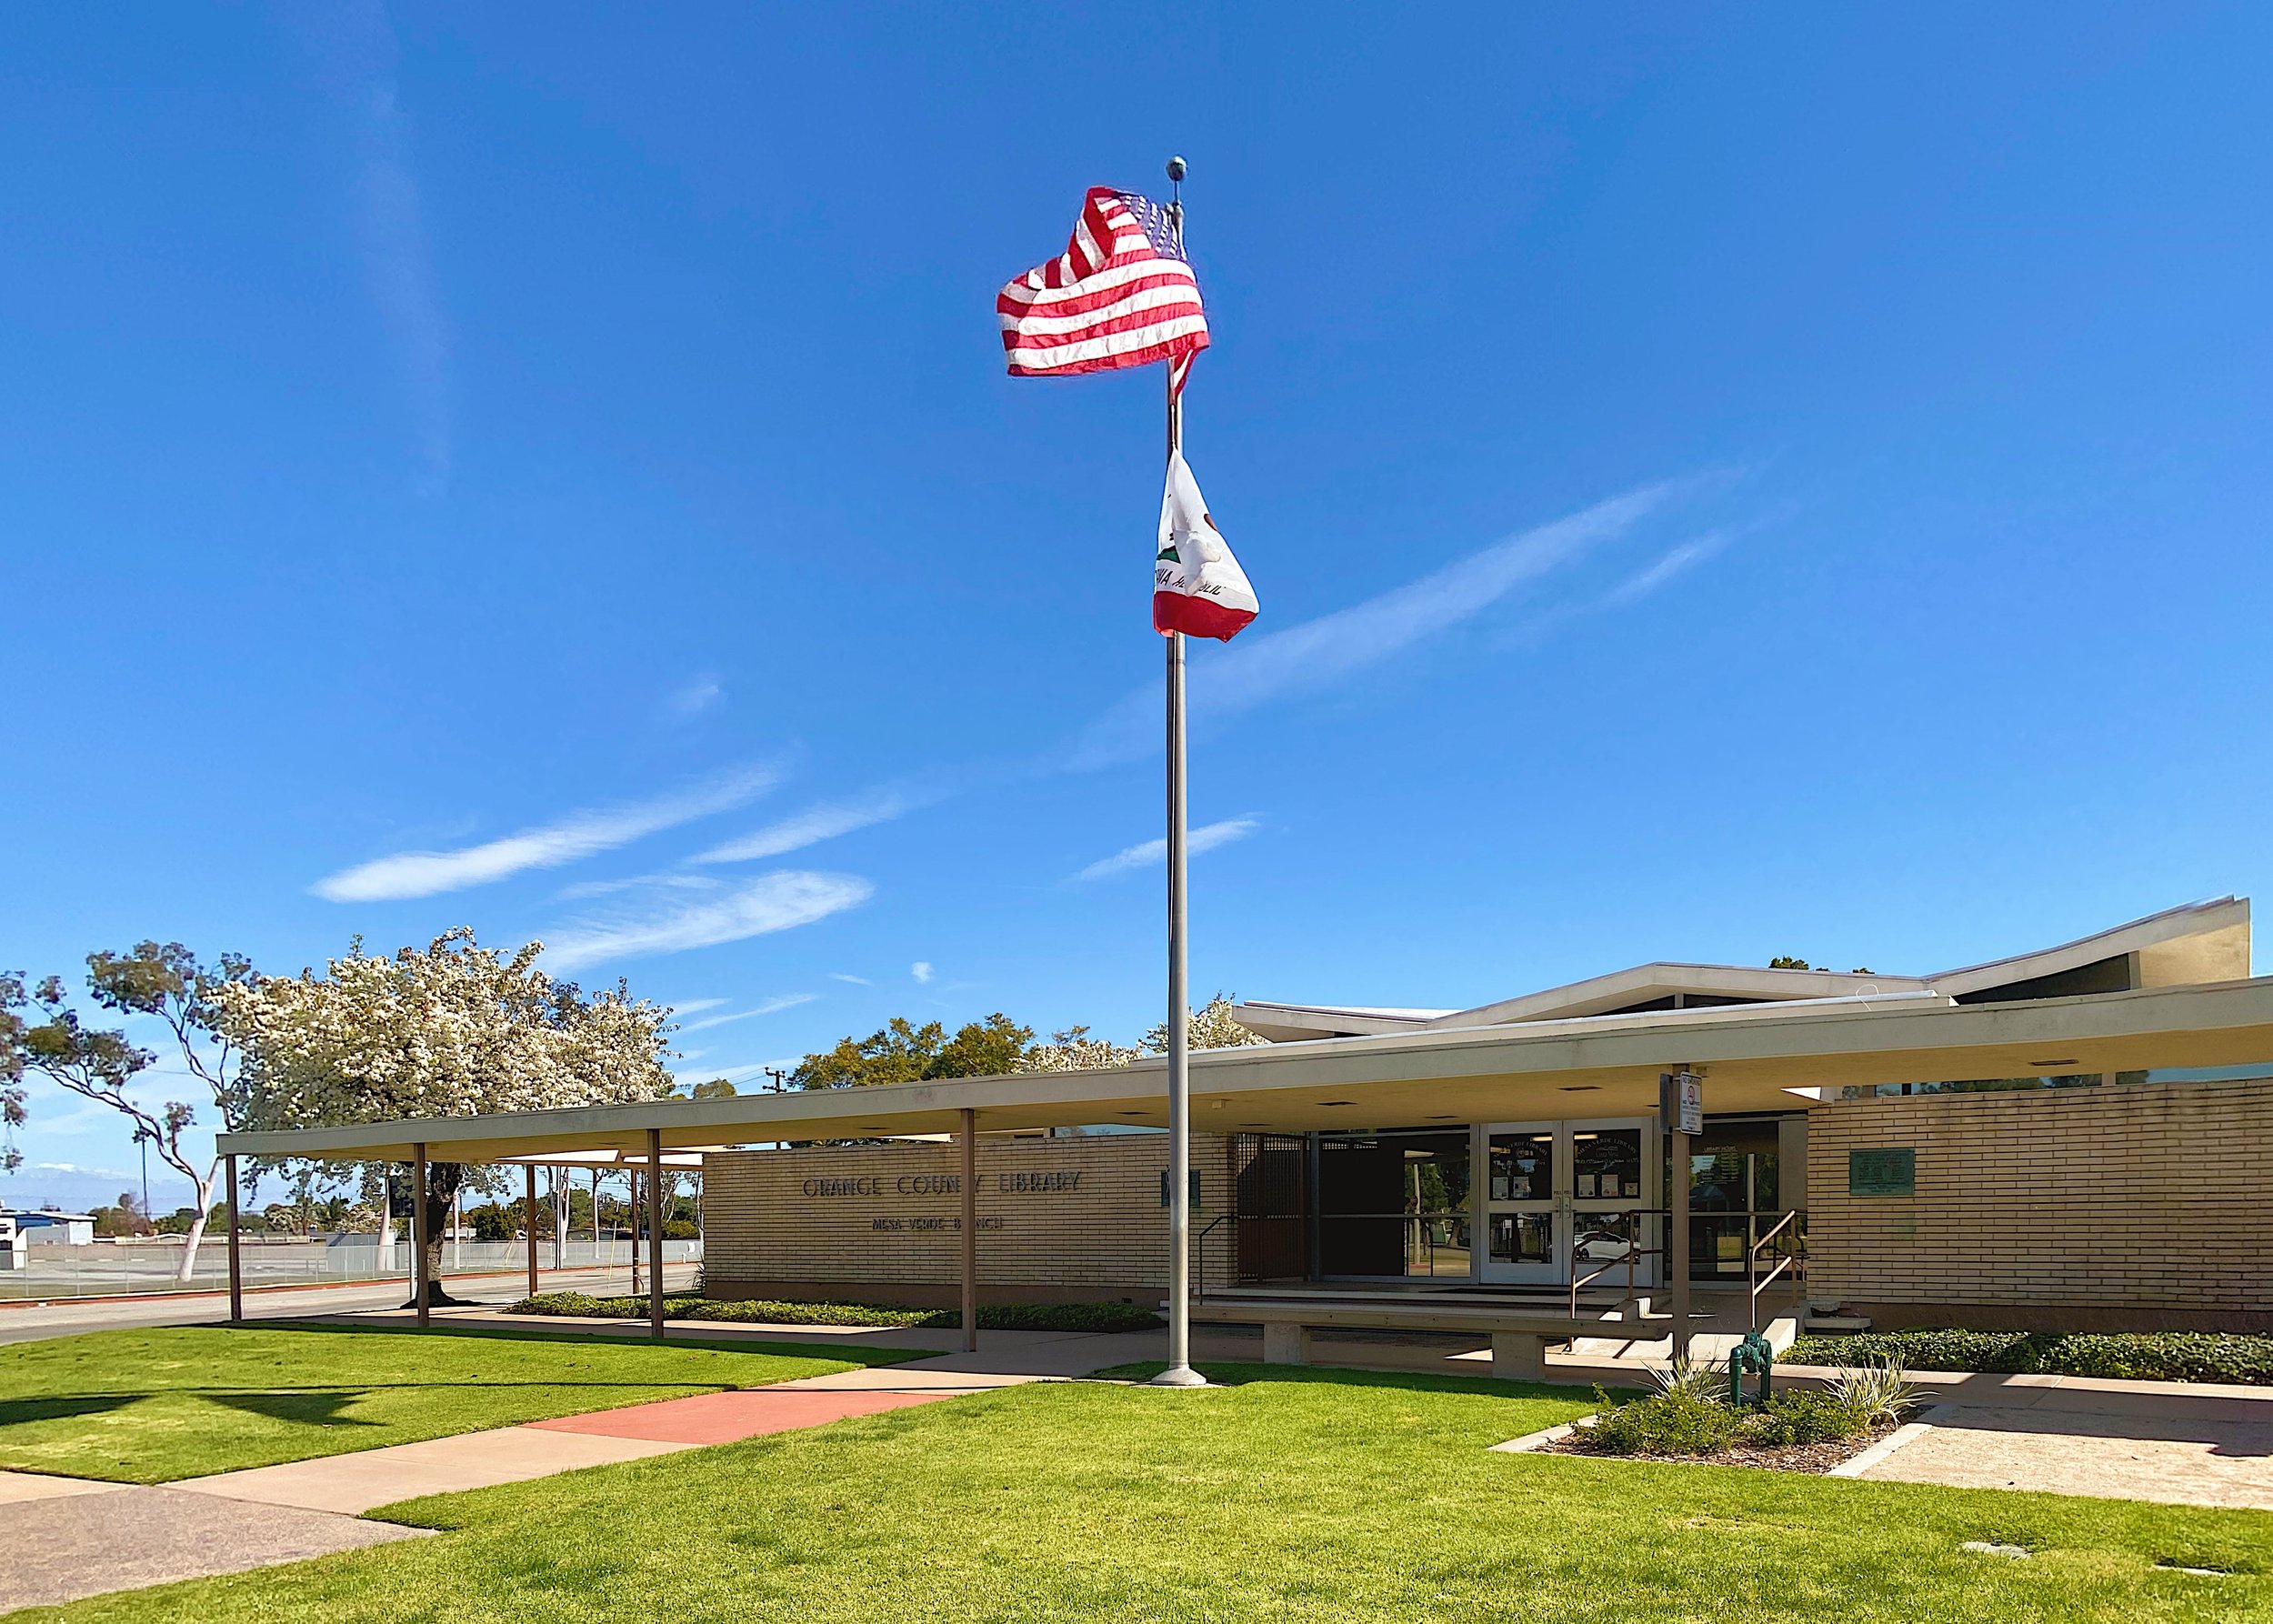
(2079, 1137)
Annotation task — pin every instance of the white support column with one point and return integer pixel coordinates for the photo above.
(968, 1137)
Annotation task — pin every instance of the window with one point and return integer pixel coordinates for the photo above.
(1608, 1165)
(1522, 1167)
(1523, 1237)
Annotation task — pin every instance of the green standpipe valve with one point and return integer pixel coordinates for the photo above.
(1752, 1354)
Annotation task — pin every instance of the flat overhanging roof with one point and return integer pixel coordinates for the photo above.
(1753, 1055)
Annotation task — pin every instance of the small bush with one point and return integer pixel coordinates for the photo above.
(1800, 1417)
(2146, 1356)
(995, 1317)
(1670, 1423)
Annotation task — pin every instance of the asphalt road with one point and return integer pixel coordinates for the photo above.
(71, 1317)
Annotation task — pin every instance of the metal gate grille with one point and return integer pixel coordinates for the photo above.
(1270, 1206)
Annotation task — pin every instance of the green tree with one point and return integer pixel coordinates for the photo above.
(717, 1088)
(39, 1031)
(903, 1052)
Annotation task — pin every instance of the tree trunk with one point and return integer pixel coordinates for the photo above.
(204, 1186)
(443, 1180)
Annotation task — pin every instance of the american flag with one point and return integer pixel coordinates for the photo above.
(1122, 294)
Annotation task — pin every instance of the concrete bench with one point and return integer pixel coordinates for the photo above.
(1518, 1337)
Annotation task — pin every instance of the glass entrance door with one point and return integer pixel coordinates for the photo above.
(1606, 1185)
(1733, 1194)
(1561, 1197)
(1523, 1231)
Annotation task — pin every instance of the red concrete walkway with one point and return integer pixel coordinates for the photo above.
(729, 1417)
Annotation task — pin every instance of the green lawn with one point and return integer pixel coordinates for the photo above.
(1299, 1495)
(152, 1406)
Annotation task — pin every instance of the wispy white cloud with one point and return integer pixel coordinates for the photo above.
(1206, 837)
(769, 1007)
(921, 970)
(392, 221)
(697, 697)
(1255, 671)
(1665, 567)
(354, 53)
(696, 1006)
(855, 980)
(811, 827)
(584, 890)
(782, 900)
(547, 846)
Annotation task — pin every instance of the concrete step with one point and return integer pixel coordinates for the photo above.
(1713, 1347)
(1837, 1325)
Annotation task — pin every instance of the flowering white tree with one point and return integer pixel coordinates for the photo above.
(1076, 1050)
(1211, 1026)
(454, 1030)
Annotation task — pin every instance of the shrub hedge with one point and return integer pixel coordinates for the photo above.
(1800, 1417)
(1681, 1421)
(1671, 1423)
(993, 1316)
(2147, 1356)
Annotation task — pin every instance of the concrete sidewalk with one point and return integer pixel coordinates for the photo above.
(360, 1481)
(61, 1549)
(285, 1513)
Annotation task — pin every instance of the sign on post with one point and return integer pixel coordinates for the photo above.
(1681, 1101)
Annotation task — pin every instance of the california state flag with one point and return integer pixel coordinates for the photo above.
(1197, 587)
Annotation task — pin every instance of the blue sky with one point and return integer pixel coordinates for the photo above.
(1719, 486)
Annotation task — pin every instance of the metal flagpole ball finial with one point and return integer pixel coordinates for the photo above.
(1176, 170)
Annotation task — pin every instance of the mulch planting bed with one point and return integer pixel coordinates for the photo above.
(1784, 1458)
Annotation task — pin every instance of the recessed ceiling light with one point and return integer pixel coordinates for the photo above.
(1327, 1102)
(1128, 1113)
(1440, 1118)
(1582, 1088)
(2047, 1065)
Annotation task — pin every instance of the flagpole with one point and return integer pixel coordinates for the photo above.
(1179, 1373)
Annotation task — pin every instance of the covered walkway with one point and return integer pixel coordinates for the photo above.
(1751, 1058)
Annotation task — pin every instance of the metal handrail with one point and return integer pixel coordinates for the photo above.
(1792, 1255)
(1635, 1252)
(1200, 1248)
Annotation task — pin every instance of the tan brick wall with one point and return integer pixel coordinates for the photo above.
(1059, 1219)
(2138, 1203)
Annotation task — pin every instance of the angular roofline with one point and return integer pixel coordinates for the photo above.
(2149, 930)
(1597, 995)
(1753, 1057)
